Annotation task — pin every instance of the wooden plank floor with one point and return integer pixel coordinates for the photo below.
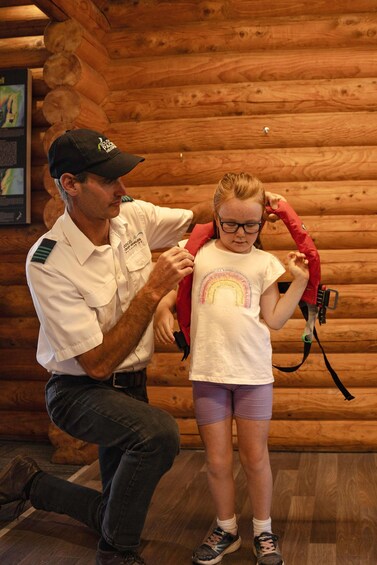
(324, 509)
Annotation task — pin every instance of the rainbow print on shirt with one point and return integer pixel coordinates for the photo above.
(233, 281)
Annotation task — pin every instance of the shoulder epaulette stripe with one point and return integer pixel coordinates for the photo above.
(43, 250)
(127, 198)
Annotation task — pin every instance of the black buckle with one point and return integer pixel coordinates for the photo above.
(128, 380)
(327, 299)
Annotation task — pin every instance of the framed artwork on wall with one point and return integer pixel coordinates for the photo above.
(15, 145)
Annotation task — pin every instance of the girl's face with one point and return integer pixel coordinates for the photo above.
(236, 211)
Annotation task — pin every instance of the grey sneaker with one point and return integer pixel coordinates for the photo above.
(218, 544)
(266, 549)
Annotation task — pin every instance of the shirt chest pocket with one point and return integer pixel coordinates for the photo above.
(103, 300)
(139, 265)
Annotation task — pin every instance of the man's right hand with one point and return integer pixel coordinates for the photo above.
(171, 267)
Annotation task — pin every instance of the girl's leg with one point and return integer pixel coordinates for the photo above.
(213, 410)
(217, 440)
(255, 460)
(253, 449)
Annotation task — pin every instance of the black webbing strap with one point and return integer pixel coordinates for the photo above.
(307, 346)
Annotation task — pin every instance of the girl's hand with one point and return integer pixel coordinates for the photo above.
(298, 265)
(163, 325)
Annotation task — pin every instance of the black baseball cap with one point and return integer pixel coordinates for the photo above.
(84, 150)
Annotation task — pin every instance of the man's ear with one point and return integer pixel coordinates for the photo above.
(69, 183)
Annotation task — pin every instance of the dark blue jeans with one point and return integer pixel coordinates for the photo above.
(138, 444)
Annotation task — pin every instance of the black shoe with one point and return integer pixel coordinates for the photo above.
(266, 549)
(15, 477)
(218, 544)
(118, 558)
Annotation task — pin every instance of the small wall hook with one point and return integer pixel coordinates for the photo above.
(266, 130)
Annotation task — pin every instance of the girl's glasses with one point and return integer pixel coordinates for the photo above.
(232, 227)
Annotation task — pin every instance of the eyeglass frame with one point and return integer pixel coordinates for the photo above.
(238, 226)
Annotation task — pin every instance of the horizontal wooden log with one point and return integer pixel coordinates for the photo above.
(12, 270)
(307, 164)
(242, 133)
(337, 336)
(28, 397)
(327, 232)
(304, 435)
(19, 332)
(351, 335)
(87, 13)
(354, 369)
(16, 21)
(289, 403)
(144, 14)
(354, 300)
(307, 198)
(247, 99)
(344, 266)
(21, 365)
(220, 68)
(20, 52)
(67, 69)
(16, 301)
(25, 425)
(70, 36)
(299, 32)
(64, 104)
(18, 239)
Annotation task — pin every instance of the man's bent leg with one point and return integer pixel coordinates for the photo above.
(148, 438)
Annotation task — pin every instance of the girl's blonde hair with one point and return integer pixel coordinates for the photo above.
(238, 185)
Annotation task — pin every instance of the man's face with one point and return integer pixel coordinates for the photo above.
(98, 197)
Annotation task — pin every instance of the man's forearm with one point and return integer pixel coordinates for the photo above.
(122, 339)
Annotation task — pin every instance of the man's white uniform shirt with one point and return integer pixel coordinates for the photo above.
(81, 290)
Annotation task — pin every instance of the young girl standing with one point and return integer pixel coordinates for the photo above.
(235, 299)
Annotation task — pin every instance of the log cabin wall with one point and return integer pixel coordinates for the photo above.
(22, 410)
(284, 90)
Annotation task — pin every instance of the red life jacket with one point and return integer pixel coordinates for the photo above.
(314, 301)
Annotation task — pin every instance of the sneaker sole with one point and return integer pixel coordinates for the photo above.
(236, 545)
(255, 553)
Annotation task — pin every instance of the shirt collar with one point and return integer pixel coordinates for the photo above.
(81, 245)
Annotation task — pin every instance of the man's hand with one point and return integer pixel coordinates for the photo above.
(171, 267)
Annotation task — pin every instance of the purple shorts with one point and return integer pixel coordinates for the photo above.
(214, 402)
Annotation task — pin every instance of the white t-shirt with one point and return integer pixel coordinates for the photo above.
(229, 342)
(80, 290)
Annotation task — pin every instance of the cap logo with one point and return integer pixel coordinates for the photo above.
(106, 145)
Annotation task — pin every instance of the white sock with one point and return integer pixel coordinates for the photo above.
(229, 526)
(261, 526)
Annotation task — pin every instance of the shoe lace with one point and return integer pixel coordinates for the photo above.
(267, 543)
(214, 538)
